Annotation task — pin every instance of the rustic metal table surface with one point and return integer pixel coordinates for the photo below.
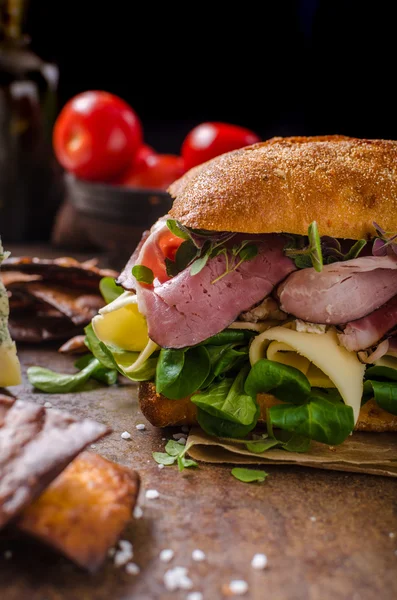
(327, 535)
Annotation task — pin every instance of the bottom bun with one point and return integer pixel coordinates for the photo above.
(163, 412)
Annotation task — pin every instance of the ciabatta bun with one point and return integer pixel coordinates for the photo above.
(162, 412)
(282, 185)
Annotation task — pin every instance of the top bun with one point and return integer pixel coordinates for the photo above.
(283, 184)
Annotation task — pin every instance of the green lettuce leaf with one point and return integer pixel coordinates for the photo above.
(319, 418)
(284, 382)
(227, 400)
(109, 289)
(183, 377)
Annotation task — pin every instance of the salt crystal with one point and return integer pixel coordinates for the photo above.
(198, 555)
(138, 512)
(132, 569)
(259, 561)
(125, 435)
(179, 436)
(160, 466)
(238, 587)
(177, 579)
(152, 494)
(182, 441)
(47, 405)
(194, 596)
(313, 519)
(124, 555)
(392, 535)
(140, 427)
(166, 555)
(93, 446)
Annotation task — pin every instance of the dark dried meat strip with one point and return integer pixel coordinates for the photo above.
(79, 306)
(62, 269)
(32, 328)
(35, 446)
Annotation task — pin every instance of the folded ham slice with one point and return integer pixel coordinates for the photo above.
(187, 310)
(341, 292)
(366, 332)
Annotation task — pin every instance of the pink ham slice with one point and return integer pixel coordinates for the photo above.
(366, 332)
(187, 310)
(341, 292)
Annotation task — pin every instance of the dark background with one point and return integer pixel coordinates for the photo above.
(280, 68)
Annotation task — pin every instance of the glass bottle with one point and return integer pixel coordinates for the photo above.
(30, 178)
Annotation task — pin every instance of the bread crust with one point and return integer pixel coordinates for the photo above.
(284, 184)
(163, 412)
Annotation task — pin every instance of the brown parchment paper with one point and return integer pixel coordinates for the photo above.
(373, 453)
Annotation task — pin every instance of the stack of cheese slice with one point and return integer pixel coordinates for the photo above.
(10, 371)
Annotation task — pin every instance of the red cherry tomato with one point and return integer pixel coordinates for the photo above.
(211, 139)
(95, 135)
(140, 161)
(158, 173)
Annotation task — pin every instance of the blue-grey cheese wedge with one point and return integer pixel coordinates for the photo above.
(10, 370)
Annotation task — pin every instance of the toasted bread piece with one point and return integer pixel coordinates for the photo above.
(283, 184)
(162, 412)
(84, 510)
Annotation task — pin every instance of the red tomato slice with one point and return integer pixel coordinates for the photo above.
(155, 254)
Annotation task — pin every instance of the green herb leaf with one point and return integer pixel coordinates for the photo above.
(185, 463)
(248, 252)
(186, 252)
(296, 443)
(143, 274)
(162, 458)
(259, 446)
(229, 336)
(385, 394)
(102, 374)
(249, 475)
(286, 383)
(315, 246)
(326, 421)
(200, 263)
(174, 448)
(176, 229)
(227, 400)
(303, 261)
(355, 250)
(169, 367)
(381, 373)
(177, 382)
(109, 289)
(94, 344)
(222, 427)
(51, 382)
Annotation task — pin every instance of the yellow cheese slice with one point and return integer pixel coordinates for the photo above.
(123, 327)
(10, 370)
(282, 353)
(342, 367)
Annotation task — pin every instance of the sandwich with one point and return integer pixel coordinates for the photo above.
(267, 294)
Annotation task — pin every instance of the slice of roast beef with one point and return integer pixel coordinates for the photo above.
(149, 240)
(187, 309)
(342, 291)
(366, 332)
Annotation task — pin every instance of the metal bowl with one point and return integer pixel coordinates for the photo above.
(109, 217)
